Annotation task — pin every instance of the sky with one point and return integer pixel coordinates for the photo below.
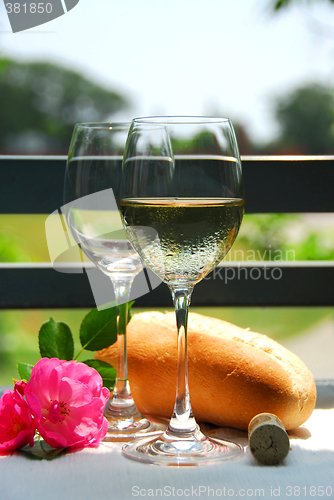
(188, 57)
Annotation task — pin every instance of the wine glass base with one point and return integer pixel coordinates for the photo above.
(129, 424)
(198, 450)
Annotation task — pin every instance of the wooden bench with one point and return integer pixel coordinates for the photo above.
(34, 185)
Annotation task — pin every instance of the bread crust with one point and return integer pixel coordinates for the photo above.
(234, 374)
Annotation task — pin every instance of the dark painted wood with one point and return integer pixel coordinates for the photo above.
(272, 185)
(277, 185)
(299, 286)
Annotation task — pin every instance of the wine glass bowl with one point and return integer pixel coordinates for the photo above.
(91, 196)
(193, 212)
(182, 205)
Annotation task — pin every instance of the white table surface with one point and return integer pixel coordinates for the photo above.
(104, 473)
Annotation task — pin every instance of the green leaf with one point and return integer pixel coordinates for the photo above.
(56, 340)
(24, 370)
(278, 4)
(124, 311)
(107, 372)
(98, 329)
(42, 451)
(130, 304)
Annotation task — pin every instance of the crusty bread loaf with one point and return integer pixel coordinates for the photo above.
(234, 374)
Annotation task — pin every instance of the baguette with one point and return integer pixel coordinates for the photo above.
(234, 373)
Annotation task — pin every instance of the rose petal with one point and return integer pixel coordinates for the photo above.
(68, 401)
(17, 427)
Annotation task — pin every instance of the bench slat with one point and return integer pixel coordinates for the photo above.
(34, 185)
(251, 286)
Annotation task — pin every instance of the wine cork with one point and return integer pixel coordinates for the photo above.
(268, 439)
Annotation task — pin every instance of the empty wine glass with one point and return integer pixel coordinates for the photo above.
(182, 206)
(91, 195)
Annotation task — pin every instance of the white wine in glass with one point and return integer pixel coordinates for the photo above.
(182, 205)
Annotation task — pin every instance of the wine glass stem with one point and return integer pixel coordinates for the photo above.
(122, 395)
(182, 421)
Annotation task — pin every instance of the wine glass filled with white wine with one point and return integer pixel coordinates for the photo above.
(182, 205)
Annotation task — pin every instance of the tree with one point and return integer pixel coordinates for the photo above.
(306, 119)
(42, 101)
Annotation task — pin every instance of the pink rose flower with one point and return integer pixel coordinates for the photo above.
(16, 426)
(19, 386)
(67, 401)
